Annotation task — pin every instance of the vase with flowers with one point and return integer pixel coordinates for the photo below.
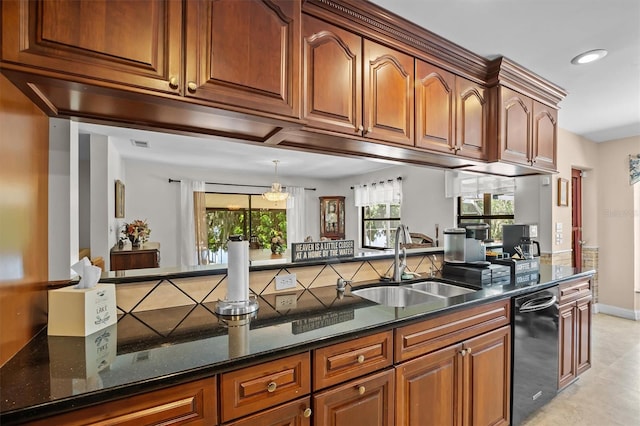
(277, 243)
(137, 232)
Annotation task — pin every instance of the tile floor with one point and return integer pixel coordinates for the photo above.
(608, 394)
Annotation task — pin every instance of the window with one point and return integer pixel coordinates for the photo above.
(493, 209)
(251, 216)
(379, 223)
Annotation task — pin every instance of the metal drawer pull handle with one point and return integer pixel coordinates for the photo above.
(360, 359)
(538, 304)
(271, 387)
(307, 413)
(361, 390)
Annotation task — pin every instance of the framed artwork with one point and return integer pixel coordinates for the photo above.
(563, 192)
(119, 199)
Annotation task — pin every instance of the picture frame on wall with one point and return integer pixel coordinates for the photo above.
(563, 192)
(119, 199)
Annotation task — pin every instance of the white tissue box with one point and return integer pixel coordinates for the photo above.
(81, 311)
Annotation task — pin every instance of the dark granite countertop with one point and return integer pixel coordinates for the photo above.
(155, 349)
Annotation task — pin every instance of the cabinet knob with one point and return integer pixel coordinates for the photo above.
(307, 413)
(463, 352)
(360, 359)
(361, 390)
(359, 128)
(369, 129)
(468, 351)
(271, 387)
(173, 82)
(192, 86)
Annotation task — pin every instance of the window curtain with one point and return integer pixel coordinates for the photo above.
(193, 224)
(295, 215)
(461, 184)
(386, 192)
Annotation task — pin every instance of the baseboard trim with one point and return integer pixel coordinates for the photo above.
(616, 311)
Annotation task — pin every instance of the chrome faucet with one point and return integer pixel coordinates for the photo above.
(402, 232)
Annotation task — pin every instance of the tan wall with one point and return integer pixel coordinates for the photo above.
(24, 153)
(617, 220)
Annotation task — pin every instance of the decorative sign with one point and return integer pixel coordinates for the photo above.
(320, 321)
(321, 250)
(634, 169)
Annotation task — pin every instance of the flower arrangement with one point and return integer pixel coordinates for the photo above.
(277, 242)
(137, 231)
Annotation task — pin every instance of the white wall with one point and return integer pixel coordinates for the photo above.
(63, 198)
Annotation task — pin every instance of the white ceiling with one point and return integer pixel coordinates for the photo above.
(542, 35)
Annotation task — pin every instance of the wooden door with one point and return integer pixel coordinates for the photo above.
(576, 217)
(128, 42)
(472, 115)
(567, 348)
(366, 401)
(435, 108)
(332, 77)
(244, 54)
(515, 127)
(388, 94)
(487, 378)
(544, 139)
(583, 334)
(295, 413)
(429, 389)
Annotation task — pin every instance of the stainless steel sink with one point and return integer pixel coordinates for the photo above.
(411, 294)
(440, 289)
(396, 296)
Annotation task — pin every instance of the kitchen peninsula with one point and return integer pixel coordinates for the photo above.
(152, 365)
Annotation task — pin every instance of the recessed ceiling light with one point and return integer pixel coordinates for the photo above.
(589, 56)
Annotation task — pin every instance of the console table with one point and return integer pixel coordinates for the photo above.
(145, 256)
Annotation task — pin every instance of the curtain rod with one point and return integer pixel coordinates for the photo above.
(237, 184)
(388, 180)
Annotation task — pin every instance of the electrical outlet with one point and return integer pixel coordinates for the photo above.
(284, 282)
(286, 301)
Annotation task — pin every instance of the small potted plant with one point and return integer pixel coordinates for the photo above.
(277, 243)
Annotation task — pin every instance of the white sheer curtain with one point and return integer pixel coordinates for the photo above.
(385, 192)
(189, 254)
(296, 215)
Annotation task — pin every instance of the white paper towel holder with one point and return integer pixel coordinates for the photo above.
(228, 307)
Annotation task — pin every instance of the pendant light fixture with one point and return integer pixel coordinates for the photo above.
(275, 193)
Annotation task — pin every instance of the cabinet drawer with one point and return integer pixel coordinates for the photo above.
(426, 336)
(574, 290)
(265, 385)
(193, 403)
(344, 361)
(294, 413)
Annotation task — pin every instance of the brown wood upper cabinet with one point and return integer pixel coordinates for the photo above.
(451, 113)
(133, 43)
(528, 131)
(244, 54)
(356, 86)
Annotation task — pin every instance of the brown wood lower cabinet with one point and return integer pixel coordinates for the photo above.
(463, 384)
(147, 256)
(366, 401)
(295, 413)
(192, 403)
(575, 331)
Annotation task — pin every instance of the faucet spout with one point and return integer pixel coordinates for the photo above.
(402, 233)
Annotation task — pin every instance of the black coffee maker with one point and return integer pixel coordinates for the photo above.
(520, 235)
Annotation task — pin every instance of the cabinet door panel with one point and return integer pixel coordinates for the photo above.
(567, 330)
(488, 378)
(435, 108)
(366, 401)
(429, 389)
(244, 53)
(136, 43)
(332, 77)
(544, 145)
(294, 413)
(471, 119)
(583, 335)
(515, 131)
(388, 94)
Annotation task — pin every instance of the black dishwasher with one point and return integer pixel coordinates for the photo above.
(535, 352)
